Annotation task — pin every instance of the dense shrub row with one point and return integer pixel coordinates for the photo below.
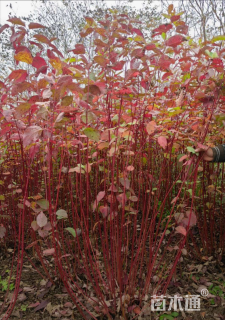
(98, 164)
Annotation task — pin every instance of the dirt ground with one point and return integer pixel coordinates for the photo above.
(39, 299)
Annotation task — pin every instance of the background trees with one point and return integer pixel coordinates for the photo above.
(65, 19)
(205, 18)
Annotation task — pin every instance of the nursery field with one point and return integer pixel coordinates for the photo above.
(107, 211)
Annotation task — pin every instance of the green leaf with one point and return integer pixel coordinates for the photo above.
(66, 101)
(61, 214)
(218, 38)
(23, 307)
(190, 149)
(163, 35)
(92, 134)
(92, 76)
(74, 233)
(2, 197)
(165, 15)
(43, 203)
(88, 118)
(175, 314)
(115, 118)
(166, 316)
(211, 54)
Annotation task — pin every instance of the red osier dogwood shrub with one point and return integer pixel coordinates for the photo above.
(98, 170)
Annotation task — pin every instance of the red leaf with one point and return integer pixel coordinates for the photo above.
(16, 21)
(18, 75)
(202, 146)
(21, 87)
(162, 28)
(193, 219)
(150, 127)
(183, 158)
(64, 80)
(174, 18)
(41, 38)
(145, 84)
(112, 188)
(137, 31)
(99, 42)
(150, 46)
(175, 40)
(22, 48)
(4, 131)
(104, 211)
(79, 49)
(33, 150)
(93, 89)
(33, 99)
(118, 66)
(56, 50)
(130, 168)
(43, 70)
(166, 75)
(122, 198)
(50, 54)
(165, 61)
(162, 141)
(31, 134)
(42, 219)
(100, 196)
(101, 61)
(181, 230)
(89, 20)
(34, 25)
(5, 26)
(36, 44)
(101, 85)
(137, 53)
(38, 62)
(125, 182)
(17, 37)
(182, 29)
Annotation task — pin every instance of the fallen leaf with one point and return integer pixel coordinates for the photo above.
(49, 252)
(42, 305)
